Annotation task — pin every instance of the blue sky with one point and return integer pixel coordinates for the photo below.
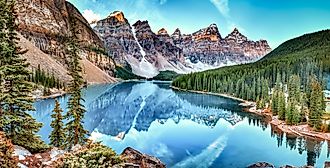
(273, 20)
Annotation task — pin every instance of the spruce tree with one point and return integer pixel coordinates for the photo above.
(75, 132)
(316, 100)
(57, 136)
(281, 105)
(288, 113)
(15, 96)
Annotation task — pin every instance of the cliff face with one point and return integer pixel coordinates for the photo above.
(148, 52)
(46, 24)
(118, 37)
(207, 46)
(140, 48)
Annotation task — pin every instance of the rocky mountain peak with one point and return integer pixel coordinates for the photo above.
(163, 32)
(142, 25)
(118, 15)
(236, 36)
(177, 33)
(210, 33)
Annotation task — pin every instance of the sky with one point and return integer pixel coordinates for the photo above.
(273, 20)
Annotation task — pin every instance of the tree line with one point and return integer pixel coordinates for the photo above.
(289, 83)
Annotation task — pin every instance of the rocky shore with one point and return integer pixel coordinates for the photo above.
(132, 158)
(269, 165)
(302, 130)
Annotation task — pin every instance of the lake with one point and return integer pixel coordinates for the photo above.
(184, 129)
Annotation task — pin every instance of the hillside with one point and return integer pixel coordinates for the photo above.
(305, 55)
(45, 27)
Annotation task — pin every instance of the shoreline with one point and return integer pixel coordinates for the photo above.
(302, 130)
(210, 93)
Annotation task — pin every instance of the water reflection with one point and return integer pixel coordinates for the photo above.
(185, 129)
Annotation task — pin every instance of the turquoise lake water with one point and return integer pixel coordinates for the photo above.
(184, 129)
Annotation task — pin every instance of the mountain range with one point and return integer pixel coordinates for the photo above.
(148, 53)
(45, 25)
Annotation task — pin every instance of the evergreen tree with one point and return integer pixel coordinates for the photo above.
(15, 97)
(289, 113)
(296, 114)
(281, 105)
(294, 87)
(75, 132)
(316, 100)
(57, 136)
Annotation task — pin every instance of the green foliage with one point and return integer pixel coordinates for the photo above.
(316, 108)
(166, 76)
(57, 136)
(126, 73)
(6, 151)
(288, 65)
(93, 155)
(15, 96)
(282, 106)
(75, 132)
(45, 79)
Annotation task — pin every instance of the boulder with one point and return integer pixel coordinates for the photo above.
(261, 165)
(134, 158)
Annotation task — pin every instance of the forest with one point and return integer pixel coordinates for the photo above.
(289, 80)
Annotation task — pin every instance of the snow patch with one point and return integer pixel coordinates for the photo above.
(142, 68)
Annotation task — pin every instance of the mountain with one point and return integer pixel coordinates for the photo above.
(304, 56)
(46, 25)
(145, 52)
(148, 53)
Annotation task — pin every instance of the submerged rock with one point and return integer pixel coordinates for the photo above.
(134, 158)
(287, 166)
(261, 165)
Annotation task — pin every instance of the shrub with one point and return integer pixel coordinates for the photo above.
(6, 152)
(93, 155)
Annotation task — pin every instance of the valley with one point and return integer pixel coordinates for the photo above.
(102, 84)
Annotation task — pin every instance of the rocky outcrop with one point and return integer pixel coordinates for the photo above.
(134, 158)
(261, 165)
(118, 37)
(138, 47)
(208, 47)
(148, 52)
(54, 158)
(159, 48)
(47, 25)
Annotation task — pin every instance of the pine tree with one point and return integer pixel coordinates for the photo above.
(289, 114)
(57, 136)
(281, 105)
(316, 100)
(15, 96)
(296, 114)
(294, 87)
(75, 132)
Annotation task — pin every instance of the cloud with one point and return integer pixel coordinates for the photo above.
(222, 6)
(90, 16)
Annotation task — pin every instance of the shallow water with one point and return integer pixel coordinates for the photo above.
(184, 129)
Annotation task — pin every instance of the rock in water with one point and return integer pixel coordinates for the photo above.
(261, 165)
(135, 158)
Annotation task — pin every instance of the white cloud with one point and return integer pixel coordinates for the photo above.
(222, 6)
(90, 16)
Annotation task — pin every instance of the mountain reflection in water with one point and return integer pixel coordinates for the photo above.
(184, 129)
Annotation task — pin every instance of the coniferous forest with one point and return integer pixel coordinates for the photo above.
(289, 80)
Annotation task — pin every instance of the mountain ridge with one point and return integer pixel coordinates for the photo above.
(138, 47)
(46, 24)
